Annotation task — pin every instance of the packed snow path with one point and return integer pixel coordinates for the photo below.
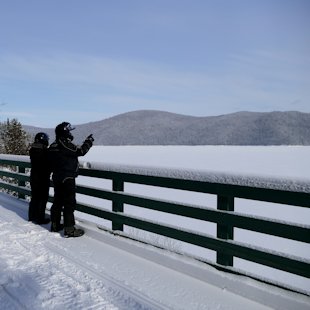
(43, 270)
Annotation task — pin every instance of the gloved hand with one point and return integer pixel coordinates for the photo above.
(90, 138)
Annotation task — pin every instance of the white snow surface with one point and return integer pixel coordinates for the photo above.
(264, 161)
(43, 270)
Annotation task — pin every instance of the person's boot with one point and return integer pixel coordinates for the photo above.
(55, 227)
(73, 232)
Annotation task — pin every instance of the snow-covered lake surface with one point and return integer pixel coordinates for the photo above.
(283, 161)
(41, 270)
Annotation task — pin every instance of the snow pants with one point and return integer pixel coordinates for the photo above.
(39, 196)
(64, 200)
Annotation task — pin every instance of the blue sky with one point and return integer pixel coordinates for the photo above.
(84, 61)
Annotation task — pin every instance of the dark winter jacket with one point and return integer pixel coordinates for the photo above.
(63, 158)
(39, 162)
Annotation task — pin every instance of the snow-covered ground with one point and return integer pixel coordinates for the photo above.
(43, 270)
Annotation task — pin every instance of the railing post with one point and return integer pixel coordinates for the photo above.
(117, 206)
(20, 182)
(225, 231)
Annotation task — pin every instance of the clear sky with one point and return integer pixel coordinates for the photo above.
(86, 60)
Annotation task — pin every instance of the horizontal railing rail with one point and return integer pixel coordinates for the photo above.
(226, 189)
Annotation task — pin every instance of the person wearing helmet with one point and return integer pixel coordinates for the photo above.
(63, 158)
(39, 179)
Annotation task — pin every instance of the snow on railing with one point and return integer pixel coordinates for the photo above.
(210, 176)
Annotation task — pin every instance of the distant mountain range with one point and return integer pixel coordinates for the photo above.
(147, 127)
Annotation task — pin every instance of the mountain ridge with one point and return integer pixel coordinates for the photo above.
(152, 127)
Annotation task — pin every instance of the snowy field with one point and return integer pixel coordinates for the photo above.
(282, 162)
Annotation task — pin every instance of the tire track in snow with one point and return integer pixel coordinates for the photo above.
(56, 279)
(10, 275)
(116, 286)
(27, 257)
(51, 284)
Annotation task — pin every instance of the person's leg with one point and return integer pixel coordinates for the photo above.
(69, 207)
(56, 208)
(31, 210)
(69, 202)
(34, 202)
(44, 190)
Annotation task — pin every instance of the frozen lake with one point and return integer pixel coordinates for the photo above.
(263, 160)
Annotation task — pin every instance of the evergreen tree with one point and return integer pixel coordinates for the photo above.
(14, 139)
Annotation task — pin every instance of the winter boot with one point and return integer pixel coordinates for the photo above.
(55, 227)
(73, 232)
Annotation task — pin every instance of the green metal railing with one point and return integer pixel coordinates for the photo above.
(224, 216)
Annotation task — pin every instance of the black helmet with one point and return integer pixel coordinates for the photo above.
(41, 137)
(63, 130)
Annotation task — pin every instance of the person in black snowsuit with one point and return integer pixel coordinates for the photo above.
(63, 158)
(39, 179)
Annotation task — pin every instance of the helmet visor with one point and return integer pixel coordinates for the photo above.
(69, 127)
